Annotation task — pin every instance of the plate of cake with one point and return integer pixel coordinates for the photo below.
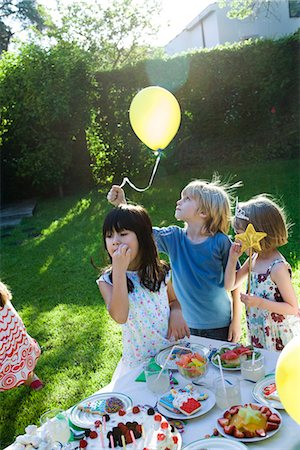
(215, 443)
(177, 353)
(186, 403)
(249, 423)
(85, 413)
(230, 356)
(137, 428)
(265, 392)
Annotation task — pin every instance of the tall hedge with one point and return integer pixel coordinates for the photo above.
(58, 116)
(237, 102)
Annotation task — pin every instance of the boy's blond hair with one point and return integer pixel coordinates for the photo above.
(5, 294)
(266, 216)
(213, 201)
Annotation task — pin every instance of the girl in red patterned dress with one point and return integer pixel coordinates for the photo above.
(18, 351)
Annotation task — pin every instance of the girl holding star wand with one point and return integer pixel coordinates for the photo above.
(271, 303)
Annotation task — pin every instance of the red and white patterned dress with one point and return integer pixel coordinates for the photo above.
(18, 351)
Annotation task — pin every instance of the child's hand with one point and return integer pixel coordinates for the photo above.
(121, 258)
(116, 195)
(178, 327)
(235, 250)
(251, 301)
(234, 332)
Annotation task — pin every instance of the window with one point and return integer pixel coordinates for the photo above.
(294, 8)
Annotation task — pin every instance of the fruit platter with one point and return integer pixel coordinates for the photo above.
(250, 422)
(230, 356)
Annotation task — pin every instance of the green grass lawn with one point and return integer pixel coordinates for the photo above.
(54, 287)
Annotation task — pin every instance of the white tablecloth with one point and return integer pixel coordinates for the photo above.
(287, 438)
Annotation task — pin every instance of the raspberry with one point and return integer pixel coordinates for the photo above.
(83, 443)
(135, 410)
(175, 439)
(157, 417)
(93, 434)
(161, 437)
(122, 412)
(164, 425)
(97, 423)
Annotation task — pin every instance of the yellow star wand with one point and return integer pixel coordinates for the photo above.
(250, 239)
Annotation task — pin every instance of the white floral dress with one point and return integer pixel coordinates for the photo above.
(269, 330)
(145, 332)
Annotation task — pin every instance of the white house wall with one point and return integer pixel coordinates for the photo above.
(216, 28)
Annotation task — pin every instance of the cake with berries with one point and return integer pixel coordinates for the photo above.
(138, 428)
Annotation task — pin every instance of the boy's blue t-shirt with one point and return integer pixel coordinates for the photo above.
(198, 276)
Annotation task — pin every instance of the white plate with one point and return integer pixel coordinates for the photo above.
(258, 394)
(84, 419)
(161, 357)
(254, 439)
(215, 443)
(215, 363)
(207, 405)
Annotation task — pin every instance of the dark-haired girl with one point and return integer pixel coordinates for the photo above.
(136, 288)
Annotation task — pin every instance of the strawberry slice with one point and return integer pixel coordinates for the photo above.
(238, 434)
(227, 415)
(229, 429)
(249, 434)
(223, 422)
(261, 432)
(254, 406)
(271, 426)
(274, 418)
(234, 410)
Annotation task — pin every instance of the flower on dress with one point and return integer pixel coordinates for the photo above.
(255, 342)
(277, 317)
(267, 330)
(261, 277)
(277, 295)
(279, 344)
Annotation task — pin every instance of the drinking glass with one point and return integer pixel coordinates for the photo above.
(253, 370)
(57, 425)
(157, 381)
(228, 393)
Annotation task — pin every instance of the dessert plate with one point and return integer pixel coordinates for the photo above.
(253, 439)
(85, 419)
(206, 405)
(258, 392)
(215, 443)
(214, 358)
(161, 357)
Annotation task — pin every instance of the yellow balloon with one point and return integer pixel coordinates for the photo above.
(287, 377)
(155, 116)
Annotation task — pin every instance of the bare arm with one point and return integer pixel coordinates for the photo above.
(234, 333)
(116, 195)
(178, 327)
(280, 275)
(233, 278)
(116, 296)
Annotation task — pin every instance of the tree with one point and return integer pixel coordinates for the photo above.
(24, 12)
(116, 34)
(241, 9)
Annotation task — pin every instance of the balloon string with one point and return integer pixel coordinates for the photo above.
(126, 180)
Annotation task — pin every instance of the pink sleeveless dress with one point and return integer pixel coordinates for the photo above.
(265, 329)
(18, 351)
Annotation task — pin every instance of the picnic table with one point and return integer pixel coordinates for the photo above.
(287, 438)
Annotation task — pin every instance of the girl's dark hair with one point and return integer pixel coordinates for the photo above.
(152, 270)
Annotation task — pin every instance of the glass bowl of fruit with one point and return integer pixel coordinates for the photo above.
(192, 366)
